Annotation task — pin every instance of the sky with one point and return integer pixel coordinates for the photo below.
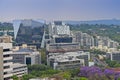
(59, 9)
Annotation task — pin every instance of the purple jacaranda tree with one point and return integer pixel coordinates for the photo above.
(98, 73)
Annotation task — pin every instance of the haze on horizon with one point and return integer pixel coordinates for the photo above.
(59, 9)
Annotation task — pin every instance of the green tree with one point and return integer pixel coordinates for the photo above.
(66, 75)
(14, 77)
(112, 63)
(27, 77)
(83, 78)
(118, 78)
(41, 70)
(74, 72)
(43, 56)
(117, 65)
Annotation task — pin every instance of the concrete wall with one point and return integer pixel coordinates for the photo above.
(1, 63)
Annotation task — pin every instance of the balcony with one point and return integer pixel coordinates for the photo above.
(8, 70)
(8, 75)
(8, 52)
(7, 58)
(8, 63)
(6, 45)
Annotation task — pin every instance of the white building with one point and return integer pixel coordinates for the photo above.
(26, 56)
(59, 28)
(5, 62)
(114, 55)
(62, 47)
(84, 39)
(19, 69)
(68, 60)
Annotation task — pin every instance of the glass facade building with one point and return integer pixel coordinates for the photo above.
(28, 31)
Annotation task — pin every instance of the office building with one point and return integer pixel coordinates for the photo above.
(26, 56)
(62, 39)
(59, 32)
(30, 32)
(68, 60)
(62, 47)
(58, 28)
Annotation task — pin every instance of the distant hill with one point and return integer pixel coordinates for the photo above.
(107, 22)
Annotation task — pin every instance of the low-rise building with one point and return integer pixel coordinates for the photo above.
(62, 47)
(33, 47)
(113, 56)
(26, 56)
(19, 69)
(68, 60)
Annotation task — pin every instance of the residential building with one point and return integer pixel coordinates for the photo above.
(6, 58)
(85, 40)
(19, 69)
(114, 56)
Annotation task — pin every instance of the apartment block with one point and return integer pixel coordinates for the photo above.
(6, 58)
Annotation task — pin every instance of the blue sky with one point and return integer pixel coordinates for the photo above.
(59, 9)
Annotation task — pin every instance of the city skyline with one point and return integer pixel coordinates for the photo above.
(59, 9)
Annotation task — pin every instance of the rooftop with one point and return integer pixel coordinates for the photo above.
(25, 50)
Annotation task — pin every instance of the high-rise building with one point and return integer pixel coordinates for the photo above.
(58, 28)
(59, 32)
(30, 32)
(6, 58)
(84, 39)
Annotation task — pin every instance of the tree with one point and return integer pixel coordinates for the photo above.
(27, 76)
(66, 75)
(74, 72)
(41, 70)
(117, 65)
(112, 63)
(83, 78)
(43, 56)
(14, 77)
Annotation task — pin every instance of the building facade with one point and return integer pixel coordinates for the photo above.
(6, 58)
(26, 56)
(28, 31)
(58, 28)
(62, 47)
(19, 69)
(114, 56)
(67, 60)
